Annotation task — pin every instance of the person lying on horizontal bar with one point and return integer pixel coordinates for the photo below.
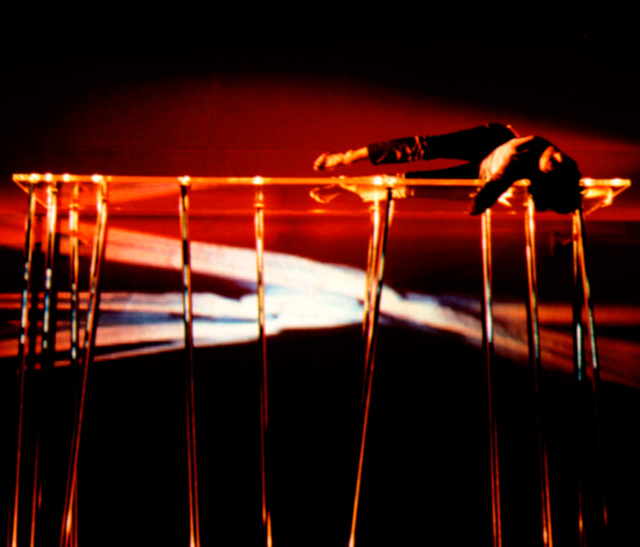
(493, 152)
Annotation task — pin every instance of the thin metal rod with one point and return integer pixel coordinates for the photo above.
(194, 512)
(89, 342)
(262, 340)
(579, 380)
(23, 350)
(48, 330)
(534, 362)
(580, 237)
(373, 266)
(47, 352)
(371, 260)
(371, 338)
(487, 343)
(74, 267)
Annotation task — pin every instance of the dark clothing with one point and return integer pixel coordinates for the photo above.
(472, 145)
(495, 154)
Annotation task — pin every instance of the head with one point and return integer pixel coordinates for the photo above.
(558, 185)
(550, 158)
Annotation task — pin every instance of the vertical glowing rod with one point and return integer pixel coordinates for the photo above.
(370, 353)
(89, 342)
(52, 218)
(48, 349)
(579, 375)
(194, 522)
(487, 339)
(586, 287)
(371, 260)
(262, 340)
(74, 259)
(373, 264)
(23, 349)
(534, 362)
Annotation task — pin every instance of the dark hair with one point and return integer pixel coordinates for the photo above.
(558, 190)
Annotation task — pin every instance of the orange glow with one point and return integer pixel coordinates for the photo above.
(425, 197)
(603, 195)
(305, 293)
(69, 521)
(506, 196)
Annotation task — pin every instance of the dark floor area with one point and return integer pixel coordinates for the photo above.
(426, 476)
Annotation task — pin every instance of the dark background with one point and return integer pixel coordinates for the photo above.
(79, 103)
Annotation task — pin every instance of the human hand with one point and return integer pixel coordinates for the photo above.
(329, 161)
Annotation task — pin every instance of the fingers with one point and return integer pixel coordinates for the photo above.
(328, 161)
(321, 162)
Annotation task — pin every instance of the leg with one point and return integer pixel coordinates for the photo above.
(472, 145)
(465, 171)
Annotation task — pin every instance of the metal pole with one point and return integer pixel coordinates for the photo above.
(23, 350)
(580, 382)
(371, 337)
(194, 521)
(373, 264)
(371, 260)
(262, 340)
(487, 342)
(47, 352)
(534, 362)
(580, 237)
(89, 342)
(74, 266)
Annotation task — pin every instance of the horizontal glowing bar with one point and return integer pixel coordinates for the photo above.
(377, 180)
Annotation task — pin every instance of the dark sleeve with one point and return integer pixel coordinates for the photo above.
(396, 150)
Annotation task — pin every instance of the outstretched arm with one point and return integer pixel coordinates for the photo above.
(393, 151)
(329, 161)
